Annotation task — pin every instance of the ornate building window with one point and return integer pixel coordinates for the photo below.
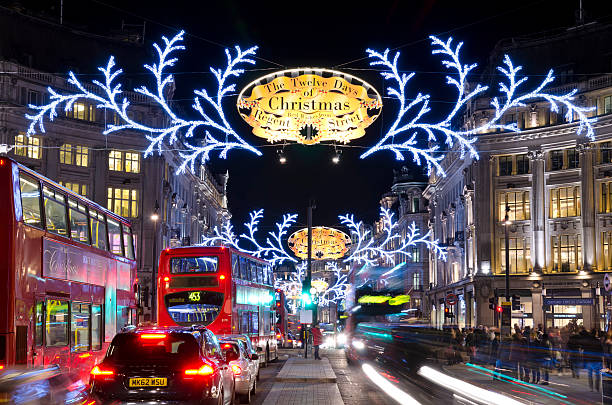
(606, 198)
(505, 165)
(74, 155)
(566, 252)
(522, 164)
(520, 255)
(565, 202)
(606, 244)
(76, 187)
(124, 161)
(605, 152)
(518, 202)
(28, 146)
(556, 160)
(123, 201)
(82, 111)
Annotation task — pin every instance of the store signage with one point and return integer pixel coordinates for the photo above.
(567, 316)
(451, 299)
(327, 243)
(569, 301)
(309, 106)
(606, 282)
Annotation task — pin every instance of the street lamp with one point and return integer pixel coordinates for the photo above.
(507, 224)
(154, 218)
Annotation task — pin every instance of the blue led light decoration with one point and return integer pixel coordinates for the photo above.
(410, 129)
(337, 292)
(272, 251)
(369, 250)
(106, 95)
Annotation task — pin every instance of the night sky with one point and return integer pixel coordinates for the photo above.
(322, 34)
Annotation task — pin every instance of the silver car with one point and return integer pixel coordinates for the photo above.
(245, 371)
(254, 357)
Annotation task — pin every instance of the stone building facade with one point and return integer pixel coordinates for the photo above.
(407, 203)
(109, 170)
(554, 186)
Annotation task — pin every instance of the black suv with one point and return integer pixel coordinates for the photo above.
(165, 365)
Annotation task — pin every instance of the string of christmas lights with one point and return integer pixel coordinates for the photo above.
(418, 131)
(110, 91)
(273, 251)
(370, 250)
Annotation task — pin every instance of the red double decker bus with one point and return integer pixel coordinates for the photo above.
(68, 272)
(221, 288)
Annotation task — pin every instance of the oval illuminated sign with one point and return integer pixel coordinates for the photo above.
(309, 106)
(327, 243)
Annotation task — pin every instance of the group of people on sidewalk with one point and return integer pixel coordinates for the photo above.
(531, 354)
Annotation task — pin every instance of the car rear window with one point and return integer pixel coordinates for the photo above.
(157, 349)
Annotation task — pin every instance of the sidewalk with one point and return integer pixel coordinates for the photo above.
(305, 382)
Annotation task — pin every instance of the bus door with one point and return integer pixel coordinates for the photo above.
(36, 353)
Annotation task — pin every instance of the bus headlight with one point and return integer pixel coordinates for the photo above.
(341, 338)
(358, 344)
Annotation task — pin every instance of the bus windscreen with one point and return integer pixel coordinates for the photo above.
(190, 265)
(194, 307)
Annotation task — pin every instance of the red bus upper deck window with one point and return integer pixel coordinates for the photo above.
(30, 199)
(202, 264)
(55, 211)
(98, 229)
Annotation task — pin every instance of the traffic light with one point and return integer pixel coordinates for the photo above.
(448, 313)
(516, 303)
(492, 303)
(499, 309)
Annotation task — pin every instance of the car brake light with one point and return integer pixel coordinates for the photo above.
(153, 336)
(221, 277)
(227, 346)
(97, 371)
(278, 336)
(236, 369)
(206, 369)
(166, 279)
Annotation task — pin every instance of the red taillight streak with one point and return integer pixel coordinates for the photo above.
(153, 336)
(227, 346)
(84, 355)
(97, 371)
(206, 369)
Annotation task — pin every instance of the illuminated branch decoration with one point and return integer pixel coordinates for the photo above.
(337, 292)
(107, 95)
(370, 250)
(273, 250)
(408, 131)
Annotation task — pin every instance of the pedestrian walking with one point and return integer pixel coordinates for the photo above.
(317, 339)
(592, 354)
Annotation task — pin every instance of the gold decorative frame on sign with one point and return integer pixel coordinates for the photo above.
(309, 106)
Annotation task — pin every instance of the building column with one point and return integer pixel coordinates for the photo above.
(587, 202)
(538, 211)
(484, 201)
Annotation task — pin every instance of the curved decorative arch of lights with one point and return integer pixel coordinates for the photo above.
(406, 136)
